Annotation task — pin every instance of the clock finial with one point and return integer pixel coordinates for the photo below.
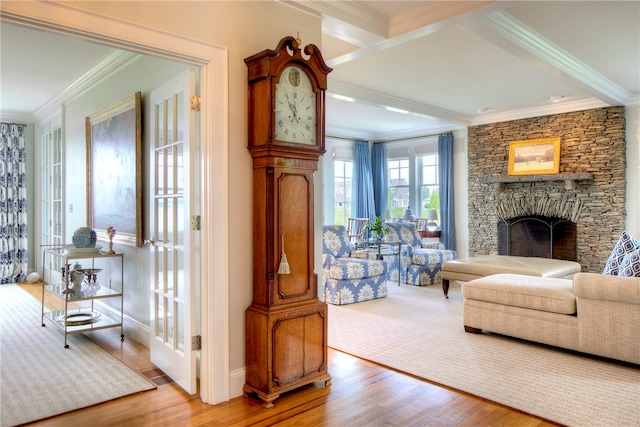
(298, 40)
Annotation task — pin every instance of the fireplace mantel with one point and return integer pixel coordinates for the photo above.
(568, 178)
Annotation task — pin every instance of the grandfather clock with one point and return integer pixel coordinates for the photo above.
(286, 324)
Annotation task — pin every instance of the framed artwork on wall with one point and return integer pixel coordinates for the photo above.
(534, 157)
(114, 171)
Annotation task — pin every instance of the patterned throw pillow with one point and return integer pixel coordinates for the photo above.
(630, 265)
(625, 245)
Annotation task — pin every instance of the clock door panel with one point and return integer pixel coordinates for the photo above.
(298, 347)
(295, 224)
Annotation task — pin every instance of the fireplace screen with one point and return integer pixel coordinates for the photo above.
(538, 236)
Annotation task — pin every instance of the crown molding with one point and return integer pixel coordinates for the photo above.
(527, 113)
(633, 101)
(111, 63)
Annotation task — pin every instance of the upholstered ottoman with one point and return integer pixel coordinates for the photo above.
(467, 269)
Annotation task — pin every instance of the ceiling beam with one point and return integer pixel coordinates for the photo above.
(508, 33)
(381, 100)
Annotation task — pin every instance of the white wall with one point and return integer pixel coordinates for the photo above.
(632, 118)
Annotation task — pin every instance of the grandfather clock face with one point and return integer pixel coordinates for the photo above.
(295, 108)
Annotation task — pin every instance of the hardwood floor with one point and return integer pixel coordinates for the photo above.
(362, 394)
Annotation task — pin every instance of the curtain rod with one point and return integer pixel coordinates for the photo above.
(341, 137)
(390, 140)
(19, 124)
(409, 138)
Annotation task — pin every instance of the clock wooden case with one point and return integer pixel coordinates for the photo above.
(286, 324)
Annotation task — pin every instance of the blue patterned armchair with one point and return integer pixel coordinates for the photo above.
(349, 276)
(420, 263)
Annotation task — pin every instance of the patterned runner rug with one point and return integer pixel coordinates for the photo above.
(416, 330)
(40, 378)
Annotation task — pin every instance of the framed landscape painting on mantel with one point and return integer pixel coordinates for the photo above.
(114, 171)
(534, 157)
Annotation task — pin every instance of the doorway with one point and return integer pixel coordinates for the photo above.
(212, 61)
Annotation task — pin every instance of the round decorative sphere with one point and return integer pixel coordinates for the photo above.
(84, 237)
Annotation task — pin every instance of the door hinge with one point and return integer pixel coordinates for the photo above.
(196, 343)
(195, 103)
(195, 222)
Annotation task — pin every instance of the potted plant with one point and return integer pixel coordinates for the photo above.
(377, 228)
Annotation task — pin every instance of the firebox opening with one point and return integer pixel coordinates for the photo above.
(538, 236)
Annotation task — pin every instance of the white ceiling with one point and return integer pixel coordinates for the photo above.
(406, 68)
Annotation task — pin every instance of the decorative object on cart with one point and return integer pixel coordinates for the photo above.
(114, 170)
(408, 214)
(72, 250)
(377, 228)
(84, 237)
(77, 319)
(111, 232)
(534, 157)
(286, 324)
(91, 274)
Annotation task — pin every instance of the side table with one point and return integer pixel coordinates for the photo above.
(382, 249)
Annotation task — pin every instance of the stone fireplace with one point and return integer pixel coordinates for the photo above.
(590, 211)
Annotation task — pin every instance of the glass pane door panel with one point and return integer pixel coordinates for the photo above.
(170, 272)
(180, 276)
(170, 121)
(179, 117)
(169, 336)
(160, 283)
(179, 170)
(180, 326)
(160, 327)
(160, 124)
(160, 167)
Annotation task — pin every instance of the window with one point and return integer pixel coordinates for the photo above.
(51, 188)
(342, 172)
(413, 177)
(398, 187)
(429, 191)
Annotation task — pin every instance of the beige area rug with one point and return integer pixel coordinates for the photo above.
(416, 330)
(40, 378)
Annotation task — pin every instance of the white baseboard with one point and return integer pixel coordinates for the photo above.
(133, 329)
(236, 382)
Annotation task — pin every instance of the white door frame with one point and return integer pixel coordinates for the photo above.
(214, 150)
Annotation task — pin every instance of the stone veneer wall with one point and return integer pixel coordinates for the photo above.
(591, 141)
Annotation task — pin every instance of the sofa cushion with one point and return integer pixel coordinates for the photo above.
(355, 268)
(424, 256)
(625, 245)
(537, 293)
(630, 265)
